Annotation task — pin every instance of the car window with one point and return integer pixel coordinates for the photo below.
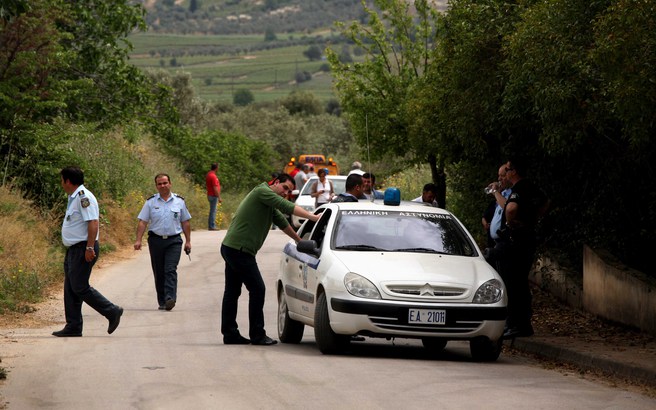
(401, 232)
(319, 231)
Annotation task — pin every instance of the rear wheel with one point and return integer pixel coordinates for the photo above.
(328, 341)
(485, 350)
(289, 330)
(434, 345)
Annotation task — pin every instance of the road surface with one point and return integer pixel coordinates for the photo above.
(175, 360)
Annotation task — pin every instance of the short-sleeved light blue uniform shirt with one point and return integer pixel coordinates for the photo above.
(165, 217)
(495, 224)
(82, 208)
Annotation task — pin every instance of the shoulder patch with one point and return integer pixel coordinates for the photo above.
(84, 201)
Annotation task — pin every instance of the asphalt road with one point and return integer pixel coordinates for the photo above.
(172, 360)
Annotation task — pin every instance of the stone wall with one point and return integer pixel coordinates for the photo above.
(606, 288)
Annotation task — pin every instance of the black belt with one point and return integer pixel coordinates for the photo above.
(151, 233)
(80, 245)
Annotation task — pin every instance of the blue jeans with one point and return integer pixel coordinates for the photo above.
(241, 269)
(213, 200)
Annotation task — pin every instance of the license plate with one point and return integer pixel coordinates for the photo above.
(426, 316)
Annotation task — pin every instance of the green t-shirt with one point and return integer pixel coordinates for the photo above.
(252, 221)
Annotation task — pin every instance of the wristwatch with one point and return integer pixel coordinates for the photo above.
(90, 248)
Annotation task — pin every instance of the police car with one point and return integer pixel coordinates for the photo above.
(392, 270)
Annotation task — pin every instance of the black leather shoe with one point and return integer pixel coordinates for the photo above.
(170, 304)
(66, 333)
(265, 341)
(236, 340)
(113, 322)
(161, 307)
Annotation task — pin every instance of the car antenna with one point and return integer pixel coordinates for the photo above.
(366, 131)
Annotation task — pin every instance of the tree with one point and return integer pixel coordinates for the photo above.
(376, 94)
(302, 103)
(243, 97)
(313, 53)
(270, 34)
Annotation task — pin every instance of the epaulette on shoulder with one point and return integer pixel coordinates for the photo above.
(151, 197)
(179, 196)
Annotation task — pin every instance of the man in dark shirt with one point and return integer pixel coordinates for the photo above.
(525, 205)
(353, 189)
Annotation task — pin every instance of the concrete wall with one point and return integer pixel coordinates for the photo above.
(618, 293)
(606, 288)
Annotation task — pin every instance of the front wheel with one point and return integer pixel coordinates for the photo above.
(328, 341)
(289, 330)
(484, 350)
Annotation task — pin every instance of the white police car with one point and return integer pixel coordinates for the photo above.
(386, 270)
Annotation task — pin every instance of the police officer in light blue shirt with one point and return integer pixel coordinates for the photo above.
(495, 224)
(168, 217)
(80, 231)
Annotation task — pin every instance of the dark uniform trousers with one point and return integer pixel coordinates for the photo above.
(164, 258)
(78, 290)
(514, 267)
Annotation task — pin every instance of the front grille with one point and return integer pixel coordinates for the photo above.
(450, 327)
(425, 290)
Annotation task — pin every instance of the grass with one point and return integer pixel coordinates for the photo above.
(268, 74)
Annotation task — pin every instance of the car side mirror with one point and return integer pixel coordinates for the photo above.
(308, 246)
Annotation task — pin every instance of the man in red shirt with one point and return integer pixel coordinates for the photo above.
(213, 195)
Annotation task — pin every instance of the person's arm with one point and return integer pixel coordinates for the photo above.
(186, 229)
(501, 200)
(289, 230)
(298, 211)
(92, 232)
(217, 193)
(511, 215)
(314, 193)
(141, 228)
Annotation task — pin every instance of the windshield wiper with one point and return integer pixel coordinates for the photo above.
(421, 250)
(359, 248)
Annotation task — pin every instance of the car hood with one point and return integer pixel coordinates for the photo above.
(390, 267)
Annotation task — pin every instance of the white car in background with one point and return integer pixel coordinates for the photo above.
(304, 198)
(367, 269)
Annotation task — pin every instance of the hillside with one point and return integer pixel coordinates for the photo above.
(247, 16)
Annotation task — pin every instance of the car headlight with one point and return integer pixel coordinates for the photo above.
(489, 292)
(360, 286)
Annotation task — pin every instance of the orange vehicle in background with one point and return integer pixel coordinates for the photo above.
(318, 160)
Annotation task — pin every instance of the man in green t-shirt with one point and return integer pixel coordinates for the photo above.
(264, 205)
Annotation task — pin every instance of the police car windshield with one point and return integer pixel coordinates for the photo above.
(396, 231)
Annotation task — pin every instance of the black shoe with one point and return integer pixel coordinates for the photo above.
(265, 341)
(113, 322)
(513, 332)
(66, 333)
(170, 304)
(236, 340)
(161, 307)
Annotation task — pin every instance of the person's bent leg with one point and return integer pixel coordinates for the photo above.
(80, 272)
